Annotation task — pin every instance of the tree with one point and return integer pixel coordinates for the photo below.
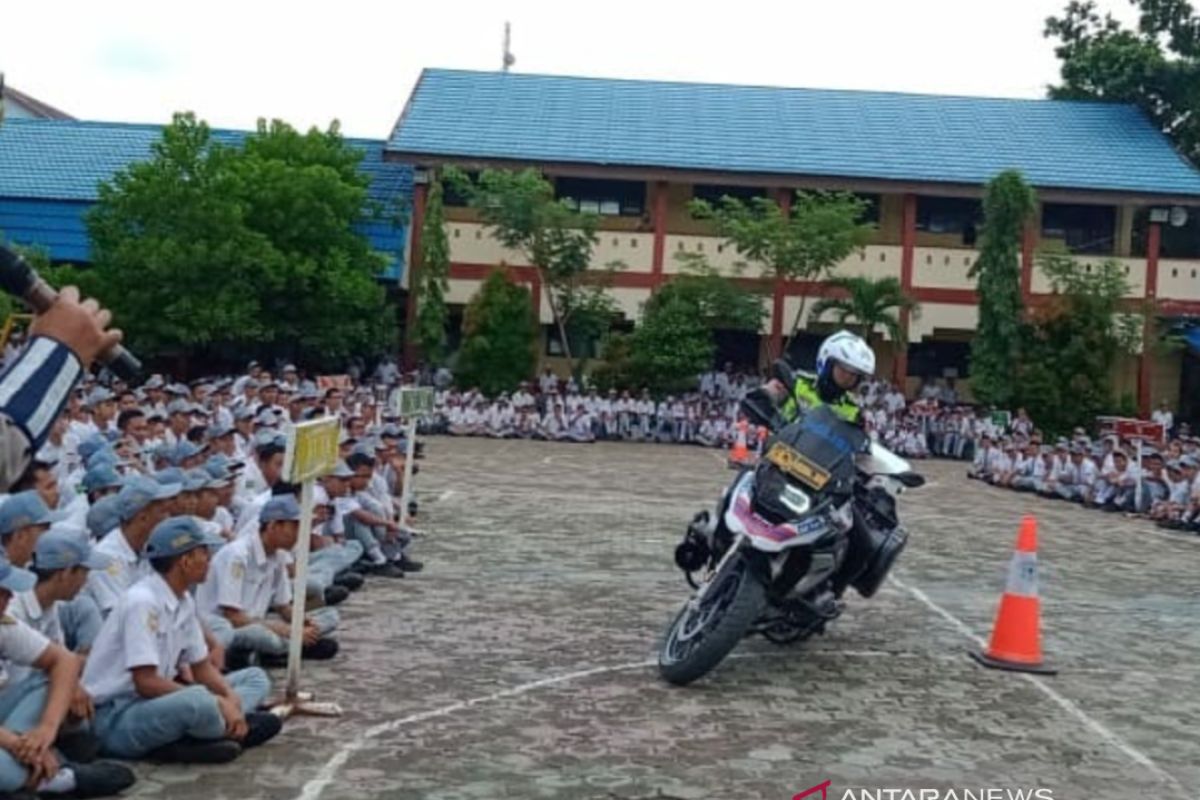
(822, 229)
(304, 193)
(869, 303)
(173, 255)
(226, 249)
(1072, 342)
(434, 279)
(523, 214)
(1155, 66)
(671, 346)
(499, 333)
(674, 342)
(995, 350)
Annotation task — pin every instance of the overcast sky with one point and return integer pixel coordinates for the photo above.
(309, 63)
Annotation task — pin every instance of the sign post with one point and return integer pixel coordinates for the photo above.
(312, 451)
(1139, 430)
(410, 403)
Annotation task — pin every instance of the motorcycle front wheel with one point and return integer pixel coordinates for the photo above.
(701, 635)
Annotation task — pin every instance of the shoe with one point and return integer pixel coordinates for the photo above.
(349, 580)
(408, 565)
(412, 508)
(197, 751)
(387, 570)
(101, 779)
(79, 746)
(237, 658)
(320, 650)
(335, 595)
(261, 727)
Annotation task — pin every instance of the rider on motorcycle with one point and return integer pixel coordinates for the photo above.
(843, 361)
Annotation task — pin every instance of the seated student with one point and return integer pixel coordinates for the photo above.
(554, 426)
(1063, 484)
(379, 535)
(249, 578)
(1119, 487)
(37, 683)
(1178, 488)
(707, 435)
(498, 423)
(141, 504)
(983, 455)
(1154, 481)
(142, 710)
(525, 425)
(328, 548)
(580, 427)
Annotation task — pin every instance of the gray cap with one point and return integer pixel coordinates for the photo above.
(101, 476)
(140, 491)
(63, 547)
(24, 509)
(15, 579)
(280, 507)
(177, 535)
(103, 516)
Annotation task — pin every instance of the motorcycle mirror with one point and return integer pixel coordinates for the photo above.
(910, 480)
(782, 371)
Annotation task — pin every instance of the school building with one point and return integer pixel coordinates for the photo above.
(1110, 186)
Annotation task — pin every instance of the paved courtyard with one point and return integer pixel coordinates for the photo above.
(519, 664)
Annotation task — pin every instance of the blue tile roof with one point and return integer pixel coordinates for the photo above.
(50, 171)
(872, 135)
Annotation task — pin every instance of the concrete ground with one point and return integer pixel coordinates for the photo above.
(518, 664)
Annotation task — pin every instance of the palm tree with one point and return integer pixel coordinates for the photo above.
(869, 303)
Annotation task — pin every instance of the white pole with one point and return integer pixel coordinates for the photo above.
(410, 449)
(1137, 491)
(300, 590)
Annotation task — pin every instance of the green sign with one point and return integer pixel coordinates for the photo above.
(312, 449)
(1001, 419)
(413, 401)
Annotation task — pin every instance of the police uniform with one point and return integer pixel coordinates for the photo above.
(155, 627)
(805, 397)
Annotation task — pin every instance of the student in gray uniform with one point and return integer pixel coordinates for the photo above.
(248, 586)
(132, 675)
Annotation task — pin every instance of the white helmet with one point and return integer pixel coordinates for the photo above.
(850, 351)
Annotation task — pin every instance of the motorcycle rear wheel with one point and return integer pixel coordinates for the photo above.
(699, 638)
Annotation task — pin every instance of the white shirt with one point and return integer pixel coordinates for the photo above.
(1166, 418)
(244, 577)
(1088, 472)
(108, 586)
(153, 627)
(20, 646)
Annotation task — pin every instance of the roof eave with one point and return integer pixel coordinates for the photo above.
(781, 180)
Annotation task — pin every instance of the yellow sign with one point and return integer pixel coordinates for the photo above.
(312, 450)
(797, 466)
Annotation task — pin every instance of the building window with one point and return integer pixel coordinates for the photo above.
(1085, 229)
(580, 347)
(451, 198)
(606, 198)
(712, 193)
(870, 214)
(1177, 241)
(950, 215)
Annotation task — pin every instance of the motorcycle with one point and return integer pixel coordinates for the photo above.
(815, 516)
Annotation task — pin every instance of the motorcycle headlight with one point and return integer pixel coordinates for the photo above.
(795, 499)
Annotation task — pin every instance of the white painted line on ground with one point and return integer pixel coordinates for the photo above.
(446, 495)
(1094, 725)
(313, 789)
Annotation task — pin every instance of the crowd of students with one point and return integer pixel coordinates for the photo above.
(556, 410)
(146, 571)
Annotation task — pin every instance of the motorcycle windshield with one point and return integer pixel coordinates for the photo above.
(818, 450)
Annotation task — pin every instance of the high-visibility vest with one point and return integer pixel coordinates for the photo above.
(804, 396)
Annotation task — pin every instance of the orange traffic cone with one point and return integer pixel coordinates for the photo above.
(739, 454)
(1017, 635)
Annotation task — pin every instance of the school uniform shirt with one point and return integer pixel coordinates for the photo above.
(1177, 492)
(107, 586)
(20, 647)
(1088, 473)
(582, 423)
(1065, 472)
(252, 482)
(153, 627)
(244, 577)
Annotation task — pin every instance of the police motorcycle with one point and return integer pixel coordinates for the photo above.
(815, 516)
